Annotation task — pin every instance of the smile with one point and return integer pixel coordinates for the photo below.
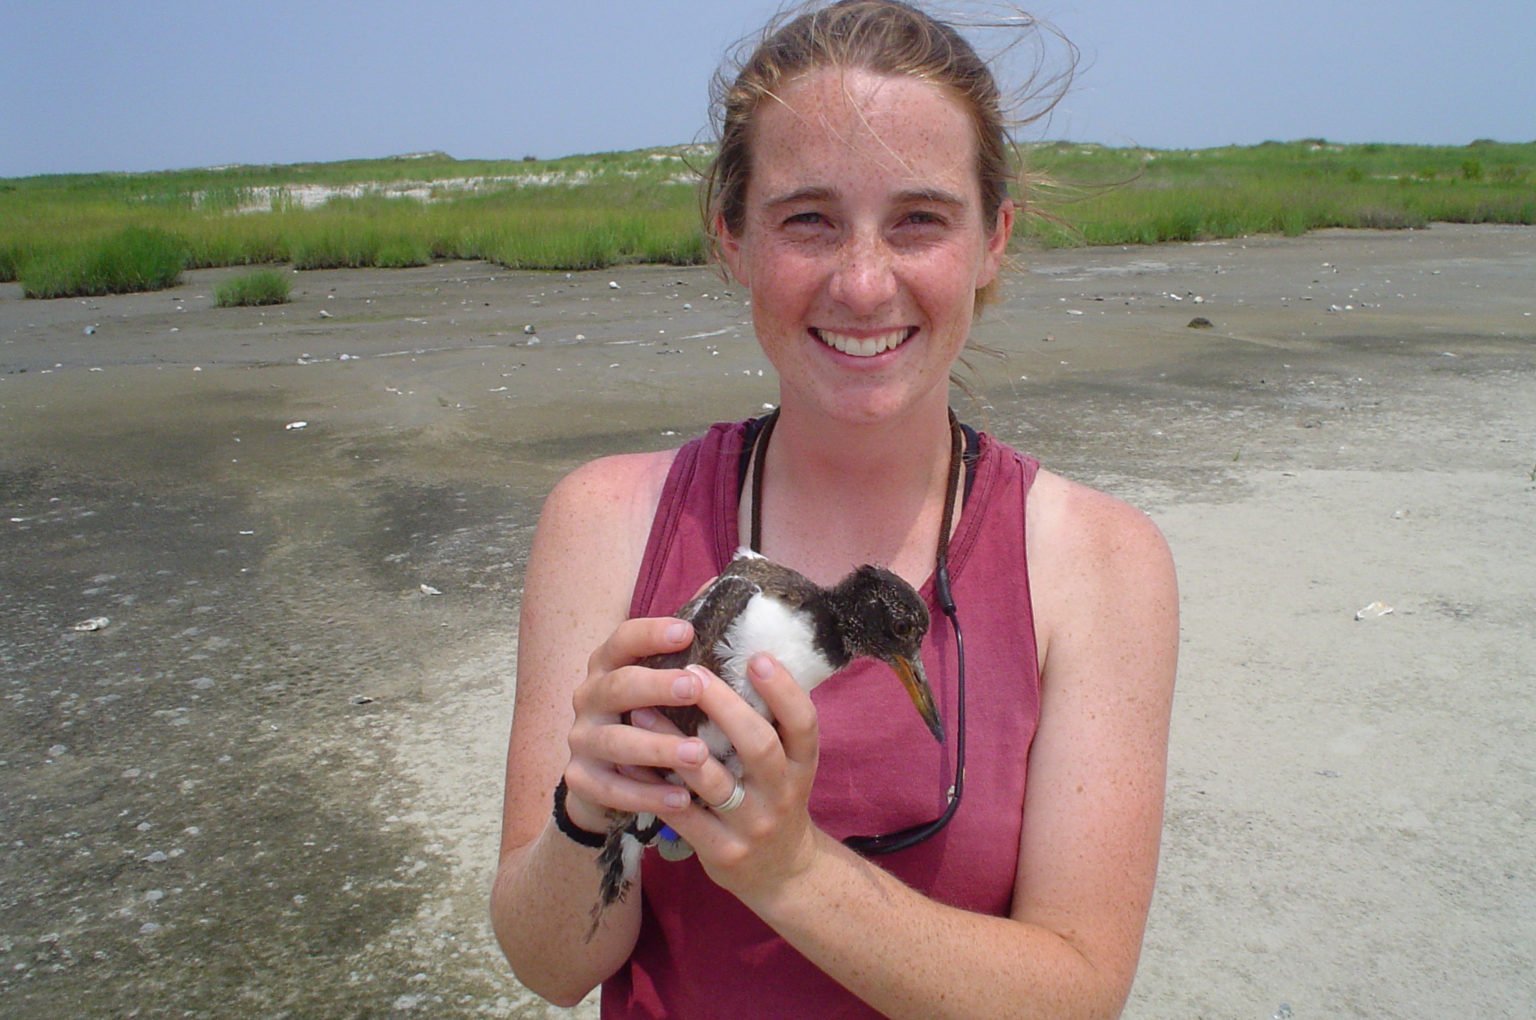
(863, 347)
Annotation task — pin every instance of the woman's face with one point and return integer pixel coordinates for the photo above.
(864, 240)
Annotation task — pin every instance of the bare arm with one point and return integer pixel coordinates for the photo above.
(586, 553)
(1107, 619)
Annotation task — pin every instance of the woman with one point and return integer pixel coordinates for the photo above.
(861, 195)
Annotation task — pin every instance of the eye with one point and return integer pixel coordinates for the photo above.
(805, 219)
(926, 219)
(901, 628)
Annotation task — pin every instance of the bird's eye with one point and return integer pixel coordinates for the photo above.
(901, 628)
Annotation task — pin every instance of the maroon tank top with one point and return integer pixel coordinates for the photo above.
(701, 953)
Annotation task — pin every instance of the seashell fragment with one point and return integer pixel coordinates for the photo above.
(1373, 611)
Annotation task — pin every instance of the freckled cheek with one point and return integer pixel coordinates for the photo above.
(789, 282)
(949, 286)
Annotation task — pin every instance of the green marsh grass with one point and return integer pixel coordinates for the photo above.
(130, 259)
(1128, 196)
(592, 211)
(261, 287)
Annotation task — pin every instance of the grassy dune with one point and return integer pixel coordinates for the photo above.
(1120, 196)
(68, 234)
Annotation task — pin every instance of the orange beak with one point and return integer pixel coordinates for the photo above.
(916, 682)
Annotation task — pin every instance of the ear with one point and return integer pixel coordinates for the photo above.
(729, 247)
(997, 243)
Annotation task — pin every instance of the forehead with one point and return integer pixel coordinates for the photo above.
(845, 128)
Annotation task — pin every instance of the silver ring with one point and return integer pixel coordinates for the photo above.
(732, 802)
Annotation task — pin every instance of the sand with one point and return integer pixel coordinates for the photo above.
(271, 781)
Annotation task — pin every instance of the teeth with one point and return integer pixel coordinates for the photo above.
(865, 347)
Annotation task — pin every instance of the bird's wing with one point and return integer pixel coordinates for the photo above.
(710, 612)
(790, 585)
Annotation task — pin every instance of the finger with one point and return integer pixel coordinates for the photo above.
(648, 718)
(605, 788)
(636, 745)
(754, 738)
(704, 774)
(635, 639)
(791, 706)
(695, 765)
(607, 696)
(687, 751)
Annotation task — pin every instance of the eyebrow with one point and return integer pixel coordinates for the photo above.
(809, 194)
(936, 195)
(815, 193)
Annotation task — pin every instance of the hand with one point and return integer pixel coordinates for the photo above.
(613, 766)
(753, 850)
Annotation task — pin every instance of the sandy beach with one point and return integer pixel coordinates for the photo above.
(269, 783)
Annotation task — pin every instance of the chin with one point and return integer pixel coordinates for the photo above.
(861, 406)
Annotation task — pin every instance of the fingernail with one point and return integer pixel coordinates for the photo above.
(701, 673)
(677, 799)
(692, 752)
(676, 633)
(644, 718)
(682, 686)
(761, 666)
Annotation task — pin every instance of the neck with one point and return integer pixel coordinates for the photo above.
(909, 454)
(836, 494)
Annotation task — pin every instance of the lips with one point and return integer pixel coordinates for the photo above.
(864, 346)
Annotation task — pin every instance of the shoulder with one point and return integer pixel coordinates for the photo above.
(1088, 521)
(601, 512)
(1095, 559)
(612, 486)
(604, 509)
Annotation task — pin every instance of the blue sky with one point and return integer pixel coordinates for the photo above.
(93, 86)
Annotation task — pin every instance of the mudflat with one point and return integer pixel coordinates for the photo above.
(267, 779)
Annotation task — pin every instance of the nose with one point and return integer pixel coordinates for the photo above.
(864, 279)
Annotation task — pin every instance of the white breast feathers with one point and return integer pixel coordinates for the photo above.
(767, 625)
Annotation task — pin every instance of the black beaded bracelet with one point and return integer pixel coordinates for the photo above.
(563, 822)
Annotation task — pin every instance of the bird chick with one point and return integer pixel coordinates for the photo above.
(756, 605)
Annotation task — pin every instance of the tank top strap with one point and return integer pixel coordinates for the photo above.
(693, 535)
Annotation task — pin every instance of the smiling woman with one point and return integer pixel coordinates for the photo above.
(863, 233)
(862, 194)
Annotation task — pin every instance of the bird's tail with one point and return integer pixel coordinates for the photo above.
(619, 859)
(611, 861)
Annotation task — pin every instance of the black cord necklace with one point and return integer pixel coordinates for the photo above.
(890, 842)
